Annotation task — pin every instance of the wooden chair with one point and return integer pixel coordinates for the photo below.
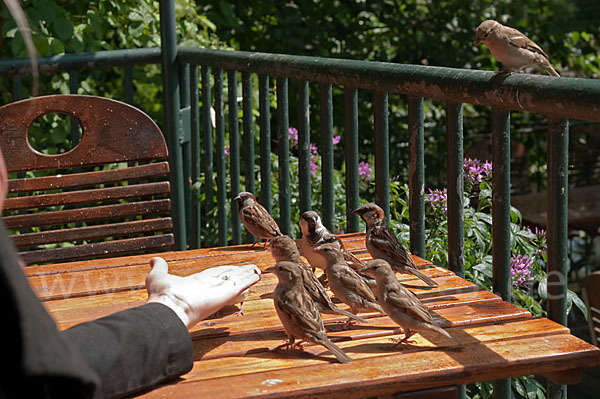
(591, 296)
(106, 196)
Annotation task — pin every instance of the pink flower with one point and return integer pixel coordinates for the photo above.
(364, 170)
(520, 269)
(336, 139)
(293, 134)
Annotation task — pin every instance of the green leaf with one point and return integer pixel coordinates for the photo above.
(574, 298)
(515, 215)
(63, 28)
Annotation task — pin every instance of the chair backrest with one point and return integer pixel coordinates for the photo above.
(591, 296)
(105, 196)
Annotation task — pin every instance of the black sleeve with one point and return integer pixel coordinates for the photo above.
(112, 356)
(134, 349)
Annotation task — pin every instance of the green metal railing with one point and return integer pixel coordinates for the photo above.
(194, 81)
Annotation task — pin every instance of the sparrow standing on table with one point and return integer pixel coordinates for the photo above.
(346, 284)
(283, 248)
(512, 48)
(400, 304)
(314, 233)
(382, 243)
(297, 311)
(255, 217)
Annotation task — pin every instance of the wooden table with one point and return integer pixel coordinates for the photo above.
(234, 355)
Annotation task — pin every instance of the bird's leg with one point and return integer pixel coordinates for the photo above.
(241, 311)
(287, 344)
(407, 335)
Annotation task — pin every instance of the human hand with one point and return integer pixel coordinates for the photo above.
(195, 297)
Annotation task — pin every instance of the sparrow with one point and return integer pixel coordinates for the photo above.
(346, 284)
(283, 248)
(401, 305)
(512, 48)
(314, 233)
(382, 243)
(297, 311)
(255, 217)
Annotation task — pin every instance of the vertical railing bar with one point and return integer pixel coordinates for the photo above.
(265, 142)
(248, 137)
(128, 83)
(558, 165)
(382, 152)
(501, 279)
(283, 147)
(220, 157)
(207, 139)
(172, 122)
(73, 87)
(416, 175)
(234, 155)
(454, 148)
(327, 184)
(186, 150)
(196, 166)
(304, 170)
(351, 141)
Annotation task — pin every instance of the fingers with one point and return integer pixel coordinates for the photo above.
(158, 274)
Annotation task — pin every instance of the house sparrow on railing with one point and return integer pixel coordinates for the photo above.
(255, 218)
(346, 284)
(400, 304)
(283, 248)
(382, 243)
(297, 311)
(512, 48)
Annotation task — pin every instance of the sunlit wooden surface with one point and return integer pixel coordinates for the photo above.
(235, 355)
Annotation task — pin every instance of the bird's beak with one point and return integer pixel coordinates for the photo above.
(270, 270)
(237, 198)
(477, 42)
(356, 211)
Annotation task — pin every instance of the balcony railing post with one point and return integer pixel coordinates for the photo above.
(283, 147)
(328, 194)
(172, 122)
(501, 279)
(558, 166)
(351, 141)
(248, 139)
(196, 166)
(265, 142)
(220, 157)
(207, 137)
(456, 222)
(382, 152)
(416, 175)
(234, 155)
(304, 183)
(184, 142)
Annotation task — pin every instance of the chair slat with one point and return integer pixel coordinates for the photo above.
(98, 249)
(103, 212)
(92, 232)
(76, 180)
(85, 196)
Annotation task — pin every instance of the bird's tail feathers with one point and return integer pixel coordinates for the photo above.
(335, 309)
(423, 277)
(339, 354)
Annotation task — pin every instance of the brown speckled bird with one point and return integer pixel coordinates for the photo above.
(297, 311)
(283, 248)
(346, 284)
(255, 217)
(512, 48)
(382, 243)
(314, 233)
(400, 304)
